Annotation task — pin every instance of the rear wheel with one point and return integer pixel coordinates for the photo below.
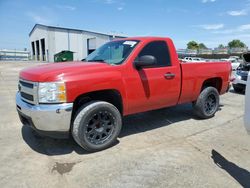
(207, 103)
(96, 125)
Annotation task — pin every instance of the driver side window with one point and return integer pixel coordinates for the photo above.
(159, 50)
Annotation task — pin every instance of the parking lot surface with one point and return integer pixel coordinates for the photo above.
(163, 148)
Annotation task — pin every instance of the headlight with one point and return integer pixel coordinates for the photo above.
(52, 92)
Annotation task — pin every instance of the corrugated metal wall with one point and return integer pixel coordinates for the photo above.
(59, 39)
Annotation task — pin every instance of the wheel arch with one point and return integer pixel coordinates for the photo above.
(215, 82)
(112, 96)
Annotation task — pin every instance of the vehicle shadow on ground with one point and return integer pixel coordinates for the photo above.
(49, 146)
(148, 121)
(132, 124)
(241, 175)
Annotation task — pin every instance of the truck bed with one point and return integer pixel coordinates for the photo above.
(195, 74)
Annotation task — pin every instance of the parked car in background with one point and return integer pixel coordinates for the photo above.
(237, 58)
(234, 62)
(193, 59)
(247, 106)
(241, 74)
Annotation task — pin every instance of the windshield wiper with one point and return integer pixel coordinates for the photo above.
(97, 60)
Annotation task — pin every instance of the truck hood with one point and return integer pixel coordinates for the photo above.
(58, 71)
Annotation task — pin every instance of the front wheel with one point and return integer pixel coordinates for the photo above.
(207, 103)
(96, 126)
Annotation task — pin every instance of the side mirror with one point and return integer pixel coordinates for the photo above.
(145, 61)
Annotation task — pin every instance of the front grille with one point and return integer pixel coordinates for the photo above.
(26, 84)
(27, 96)
(28, 91)
(244, 78)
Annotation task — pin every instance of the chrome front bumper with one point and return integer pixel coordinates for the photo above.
(45, 117)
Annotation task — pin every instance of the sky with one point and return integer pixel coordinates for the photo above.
(211, 22)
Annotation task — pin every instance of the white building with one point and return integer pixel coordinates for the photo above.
(191, 52)
(19, 55)
(221, 51)
(46, 41)
(238, 50)
(207, 51)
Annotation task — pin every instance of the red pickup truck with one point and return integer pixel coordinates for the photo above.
(88, 99)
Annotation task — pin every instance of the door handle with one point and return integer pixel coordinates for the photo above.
(169, 75)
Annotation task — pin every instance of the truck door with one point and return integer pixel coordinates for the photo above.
(156, 86)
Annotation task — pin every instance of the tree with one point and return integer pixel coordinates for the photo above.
(236, 44)
(221, 46)
(202, 46)
(192, 45)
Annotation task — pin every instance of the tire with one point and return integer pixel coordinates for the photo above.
(237, 89)
(96, 126)
(207, 103)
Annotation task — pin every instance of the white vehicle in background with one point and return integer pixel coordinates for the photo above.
(187, 59)
(241, 74)
(235, 61)
(193, 59)
(247, 106)
(237, 58)
(235, 64)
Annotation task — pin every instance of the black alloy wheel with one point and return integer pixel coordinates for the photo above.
(210, 104)
(100, 127)
(207, 103)
(96, 125)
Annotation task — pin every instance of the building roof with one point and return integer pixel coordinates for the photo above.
(65, 28)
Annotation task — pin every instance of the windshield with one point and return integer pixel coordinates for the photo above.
(114, 52)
